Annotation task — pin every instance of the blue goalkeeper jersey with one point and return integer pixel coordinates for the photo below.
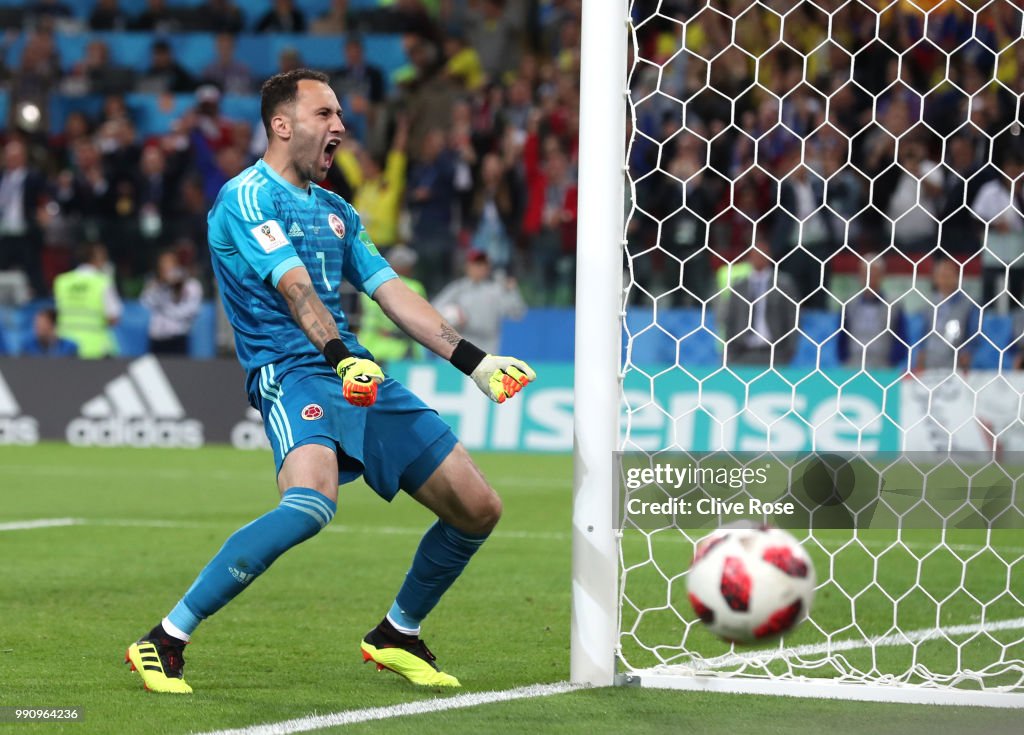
(261, 227)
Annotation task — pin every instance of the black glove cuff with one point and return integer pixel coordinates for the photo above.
(467, 356)
(335, 351)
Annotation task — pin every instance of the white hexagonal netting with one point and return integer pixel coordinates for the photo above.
(824, 254)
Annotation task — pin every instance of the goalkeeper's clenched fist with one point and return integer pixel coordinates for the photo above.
(359, 380)
(359, 376)
(499, 378)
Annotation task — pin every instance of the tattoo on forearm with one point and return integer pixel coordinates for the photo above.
(448, 334)
(311, 314)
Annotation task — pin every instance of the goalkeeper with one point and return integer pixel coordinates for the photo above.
(280, 246)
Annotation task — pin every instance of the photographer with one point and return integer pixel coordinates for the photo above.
(173, 299)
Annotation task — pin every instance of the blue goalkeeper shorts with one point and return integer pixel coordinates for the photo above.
(395, 444)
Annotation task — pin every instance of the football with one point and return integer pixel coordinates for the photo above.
(750, 584)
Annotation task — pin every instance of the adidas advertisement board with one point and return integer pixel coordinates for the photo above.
(15, 427)
(177, 402)
(145, 402)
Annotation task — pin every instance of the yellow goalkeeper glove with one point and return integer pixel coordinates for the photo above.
(359, 376)
(500, 378)
(359, 380)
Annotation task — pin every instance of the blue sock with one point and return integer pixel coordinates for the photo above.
(249, 551)
(442, 555)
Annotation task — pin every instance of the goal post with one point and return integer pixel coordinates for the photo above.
(597, 387)
(835, 138)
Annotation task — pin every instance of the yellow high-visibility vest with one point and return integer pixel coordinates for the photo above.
(82, 314)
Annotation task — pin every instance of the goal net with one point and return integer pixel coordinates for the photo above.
(822, 273)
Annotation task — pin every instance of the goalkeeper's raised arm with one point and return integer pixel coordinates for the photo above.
(498, 377)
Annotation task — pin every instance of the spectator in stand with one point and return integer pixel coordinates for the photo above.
(998, 205)
(117, 140)
(805, 235)
(215, 128)
(379, 334)
(85, 192)
(953, 326)
(37, 75)
(50, 13)
(23, 198)
(550, 219)
(289, 59)
(221, 16)
(77, 128)
(683, 211)
(88, 305)
(333, 22)
(460, 143)
(284, 17)
(431, 196)
(463, 63)
(157, 17)
(476, 303)
(492, 216)
(359, 86)
(916, 198)
(227, 72)
(188, 226)
(961, 231)
(157, 190)
(44, 341)
(495, 37)
(760, 318)
(173, 298)
(376, 192)
(165, 73)
(873, 331)
(108, 16)
(97, 74)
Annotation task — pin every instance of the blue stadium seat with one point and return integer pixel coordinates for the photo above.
(542, 334)
(698, 346)
(241, 107)
(250, 8)
(917, 325)
(998, 328)
(132, 331)
(150, 114)
(645, 340)
(202, 340)
(196, 50)
(819, 331)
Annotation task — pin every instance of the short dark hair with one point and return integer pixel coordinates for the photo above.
(282, 89)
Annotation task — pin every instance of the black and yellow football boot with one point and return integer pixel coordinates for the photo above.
(406, 655)
(160, 660)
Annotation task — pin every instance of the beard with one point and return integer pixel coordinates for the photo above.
(307, 152)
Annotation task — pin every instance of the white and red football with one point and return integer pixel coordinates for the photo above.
(750, 584)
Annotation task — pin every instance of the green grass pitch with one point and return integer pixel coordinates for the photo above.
(73, 597)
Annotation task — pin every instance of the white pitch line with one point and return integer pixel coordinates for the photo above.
(898, 639)
(333, 528)
(415, 531)
(349, 717)
(504, 482)
(39, 523)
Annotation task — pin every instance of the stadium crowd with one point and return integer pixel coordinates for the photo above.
(827, 140)
(778, 129)
(471, 144)
(895, 137)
